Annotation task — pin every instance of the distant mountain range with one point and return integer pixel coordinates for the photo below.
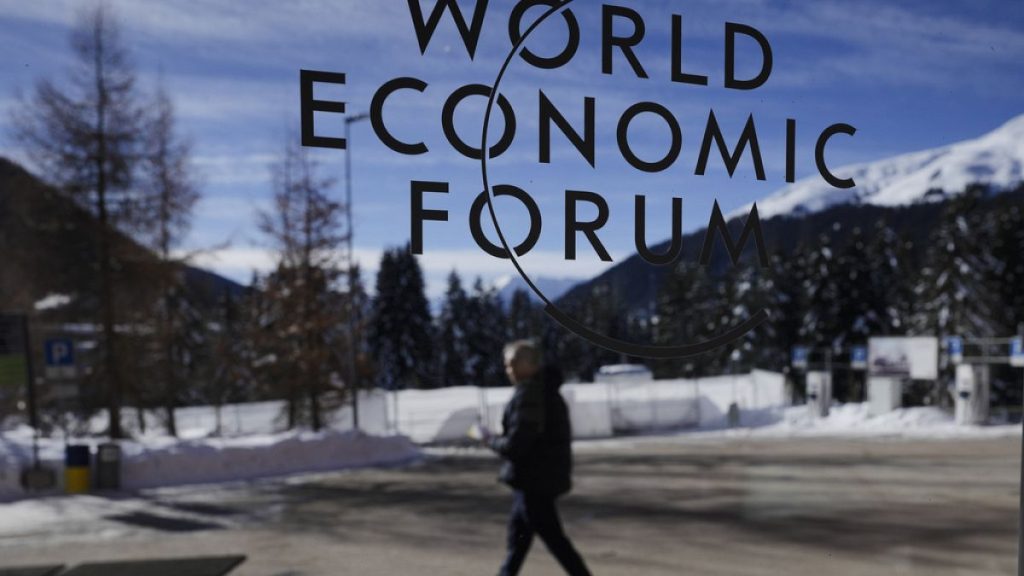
(551, 287)
(996, 159)
(905, 190)
(47, 241)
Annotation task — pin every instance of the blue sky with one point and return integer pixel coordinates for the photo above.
(908, 76)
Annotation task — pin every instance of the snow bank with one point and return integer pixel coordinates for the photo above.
(153, 462)
(854, 421)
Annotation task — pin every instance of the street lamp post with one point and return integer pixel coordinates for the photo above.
(351, 268)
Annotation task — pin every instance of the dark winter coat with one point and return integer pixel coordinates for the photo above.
(537, 440)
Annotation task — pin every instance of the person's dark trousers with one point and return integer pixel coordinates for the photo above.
(536, 514)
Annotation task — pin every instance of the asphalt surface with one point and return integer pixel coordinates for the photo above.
(653, 506)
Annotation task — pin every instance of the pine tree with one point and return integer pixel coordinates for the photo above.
(524, 317)
(952, 295)
(487, 337)
(675, 320)
(889, 276)
(401, 338)
(363, 306)
(454, 332)
(822, 294)
(1003, 235)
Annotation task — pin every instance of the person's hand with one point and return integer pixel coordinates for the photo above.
(480, 433)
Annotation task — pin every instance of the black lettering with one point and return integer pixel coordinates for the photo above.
(677, 56)
(624, 43)
(515, 35)
(735, 249)
(425, 30)
(623, 139)
(749, 136)
(572, 226)
(819, 155)
(640, 235)
(731, 30)
(585, 144)
(790, 150)
(448, 122)
(309, 105)
(478, 234)
(417, 188)
(377, 114)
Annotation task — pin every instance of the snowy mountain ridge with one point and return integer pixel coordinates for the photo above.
(996, 159)
(552, 287)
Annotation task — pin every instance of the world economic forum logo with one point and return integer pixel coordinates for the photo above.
(623, 29)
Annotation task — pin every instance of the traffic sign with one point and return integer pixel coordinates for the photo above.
(799, 359)
(1017, 352)
(60, 352)
(859, 357)
(955, 349)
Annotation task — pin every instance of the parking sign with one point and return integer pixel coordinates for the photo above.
(1017, 352)
(955, 349)
(60, 352)
(799, 360)
(859, 357)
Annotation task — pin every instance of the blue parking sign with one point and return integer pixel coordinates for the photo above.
(799, 359)
(1017, 351)
(60, 352)
(859, 357)
(955, 348)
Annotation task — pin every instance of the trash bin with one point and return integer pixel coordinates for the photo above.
(819, 393)
(108, 467)
(76, 469)
(733, 415)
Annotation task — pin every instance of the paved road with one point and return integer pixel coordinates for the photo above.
(660, 507)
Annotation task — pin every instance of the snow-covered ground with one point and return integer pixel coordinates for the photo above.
(250, 444)
(845, 421)
(154, 461)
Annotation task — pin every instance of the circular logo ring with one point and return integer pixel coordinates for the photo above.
(567, 322)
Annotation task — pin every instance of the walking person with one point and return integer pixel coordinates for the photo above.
(536, 446)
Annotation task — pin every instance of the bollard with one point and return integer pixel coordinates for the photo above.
(76, 469)
(108, 467)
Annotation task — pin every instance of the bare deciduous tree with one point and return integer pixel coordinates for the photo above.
(86, 136)
(307, 312)
(171, 196)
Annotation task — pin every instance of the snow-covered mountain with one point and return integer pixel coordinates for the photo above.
(551, 287)
(996, 158)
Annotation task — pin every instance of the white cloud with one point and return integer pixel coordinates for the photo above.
(239, 263)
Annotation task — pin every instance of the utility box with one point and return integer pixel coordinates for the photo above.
(819, 393)
(885, 394)
(108, 467)
(972, 392)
